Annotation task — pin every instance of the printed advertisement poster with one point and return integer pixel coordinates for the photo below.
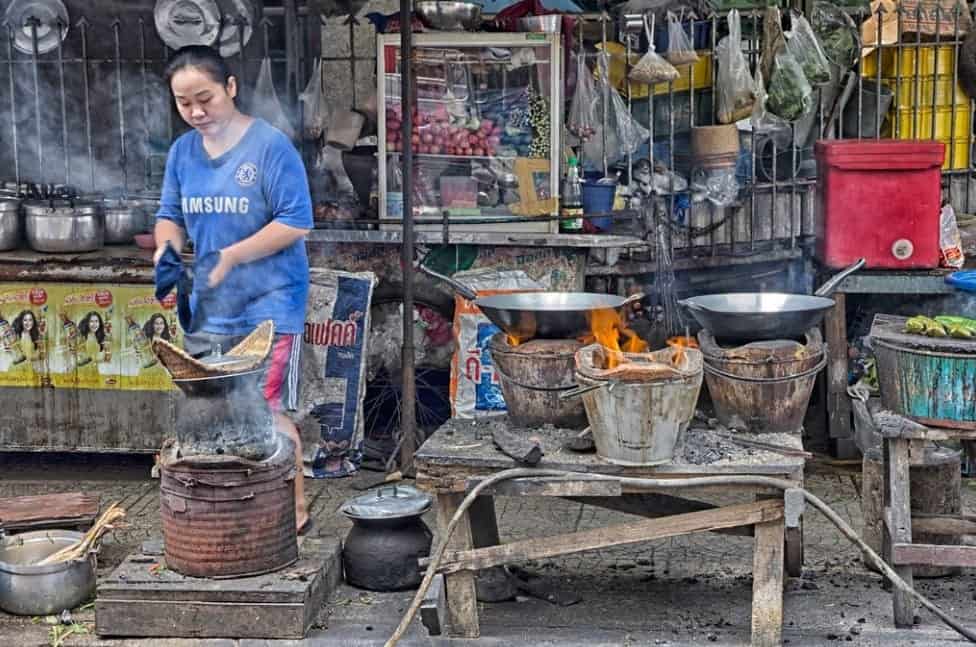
(87, 340)
(143, 318)
(25, 326)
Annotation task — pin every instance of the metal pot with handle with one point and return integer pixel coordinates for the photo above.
(754, 316)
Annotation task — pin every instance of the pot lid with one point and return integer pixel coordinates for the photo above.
(9, 204)
(187, 22)
(47, 14)
(59, 206)
(388, 502)
(236, 14)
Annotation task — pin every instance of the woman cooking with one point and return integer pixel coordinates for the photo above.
(237, 187)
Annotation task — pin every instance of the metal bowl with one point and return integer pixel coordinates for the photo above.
(64, 227)
(449, 16)
(43, 590)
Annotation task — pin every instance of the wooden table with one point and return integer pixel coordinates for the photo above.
(461, 454)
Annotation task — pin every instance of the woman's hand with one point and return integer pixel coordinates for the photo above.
(158, 254)
(226, 263)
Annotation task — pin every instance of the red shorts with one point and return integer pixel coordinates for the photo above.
(281, 381)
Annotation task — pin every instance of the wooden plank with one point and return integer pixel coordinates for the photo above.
(494, 584)
(432, 608)
(933, 555)
(553, 486)
(943, 524)
(767, 584)
(654, 506)
(618, 535)
(459, 588)
(838, 402)
(898, 522)
(48, 510)
(178, 619)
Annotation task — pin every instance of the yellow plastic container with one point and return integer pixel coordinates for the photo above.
(957, 155)
(897, 61)
(910, 92)
(918, 123)
(697, 75)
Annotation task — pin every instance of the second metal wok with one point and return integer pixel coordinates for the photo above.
(540, 315)
(756, 316)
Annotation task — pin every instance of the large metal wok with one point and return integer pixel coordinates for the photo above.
(540, 315)
(753, 316)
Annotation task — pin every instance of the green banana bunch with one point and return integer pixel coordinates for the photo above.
(921, 325)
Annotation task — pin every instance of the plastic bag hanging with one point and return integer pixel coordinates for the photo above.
(583, 118)
(624, 135)
(734, 85)
(314, 109)
(265, 102)
(790, 94)
(680, 51)
(652, 68)
(802, 45)
(765, 122)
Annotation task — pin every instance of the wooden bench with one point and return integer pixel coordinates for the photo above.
(461, 454)
(68, 511)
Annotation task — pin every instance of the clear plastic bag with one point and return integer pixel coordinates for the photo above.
(314, 109)
(624, 135)
(735, 91)
(680, 51)
(765, 122)
(265, 102)
(802, 45)
(950, 241)
(790, 94)
(582, 120)
(652, 68)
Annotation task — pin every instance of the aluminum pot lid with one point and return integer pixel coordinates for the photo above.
(60, 207)
(47, 14)
(9, 204)
(237, 16)
(187, 22)
(388, 502)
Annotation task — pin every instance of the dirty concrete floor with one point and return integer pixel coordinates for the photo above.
(684, 591)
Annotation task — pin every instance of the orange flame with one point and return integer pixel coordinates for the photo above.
(512, 340)
(607, 329)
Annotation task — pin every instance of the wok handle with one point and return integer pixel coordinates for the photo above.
(690, 304)
(458, 287)
(634, 298)
(827, 288)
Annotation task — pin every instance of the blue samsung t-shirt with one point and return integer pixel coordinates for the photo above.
(224, 200)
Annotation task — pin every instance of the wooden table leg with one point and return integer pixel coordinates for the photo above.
(838, 402)
(493, 584)
(897, 525)
(767, 584)
(459, 588)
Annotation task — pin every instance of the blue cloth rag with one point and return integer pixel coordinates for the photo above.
(170, 273)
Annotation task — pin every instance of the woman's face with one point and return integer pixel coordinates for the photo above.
(159, 326)
(205, 104)
(28, 322)
(94, 323)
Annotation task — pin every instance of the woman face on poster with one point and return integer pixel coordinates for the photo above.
(92, 325)
(26, 325)
(156, 327)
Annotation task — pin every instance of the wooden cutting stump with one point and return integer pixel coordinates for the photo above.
(935, 489)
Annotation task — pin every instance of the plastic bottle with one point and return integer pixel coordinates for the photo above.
(571, 201)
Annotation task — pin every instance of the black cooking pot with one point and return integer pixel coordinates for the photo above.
(387, 538)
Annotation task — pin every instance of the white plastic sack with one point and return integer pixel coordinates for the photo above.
(313, 104)
(265, 102)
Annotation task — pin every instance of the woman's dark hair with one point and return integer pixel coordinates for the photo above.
(148, 331)
(18, 326)
(206, 58)
(85, 328)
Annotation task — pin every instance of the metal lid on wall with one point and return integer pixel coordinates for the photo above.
(187, 22)
(238, 20)
(388, 502)
(23, 16)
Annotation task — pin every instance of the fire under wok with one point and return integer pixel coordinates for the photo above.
(757, 316)
(540, 315)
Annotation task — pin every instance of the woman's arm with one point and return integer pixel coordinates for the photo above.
(270, 239)
(167, 231)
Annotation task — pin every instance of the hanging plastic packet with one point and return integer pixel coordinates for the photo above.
(763, 121)
(652, 68)
(680, 51)
(583, 118)
(802, 44)
(790, 95)
(265, 104)
(313, 105)
(624, 134)
(735, 87)
(950, 241)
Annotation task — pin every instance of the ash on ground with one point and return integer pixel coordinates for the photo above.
(702, 446)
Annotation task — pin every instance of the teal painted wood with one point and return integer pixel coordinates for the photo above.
(927, 385)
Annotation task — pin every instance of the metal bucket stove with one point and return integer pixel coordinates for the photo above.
(227, 492)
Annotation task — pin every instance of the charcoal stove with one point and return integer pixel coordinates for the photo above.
(762, 386)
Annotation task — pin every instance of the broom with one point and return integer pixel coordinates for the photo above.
(80, 549)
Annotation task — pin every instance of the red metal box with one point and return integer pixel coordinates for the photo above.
(879, 200)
